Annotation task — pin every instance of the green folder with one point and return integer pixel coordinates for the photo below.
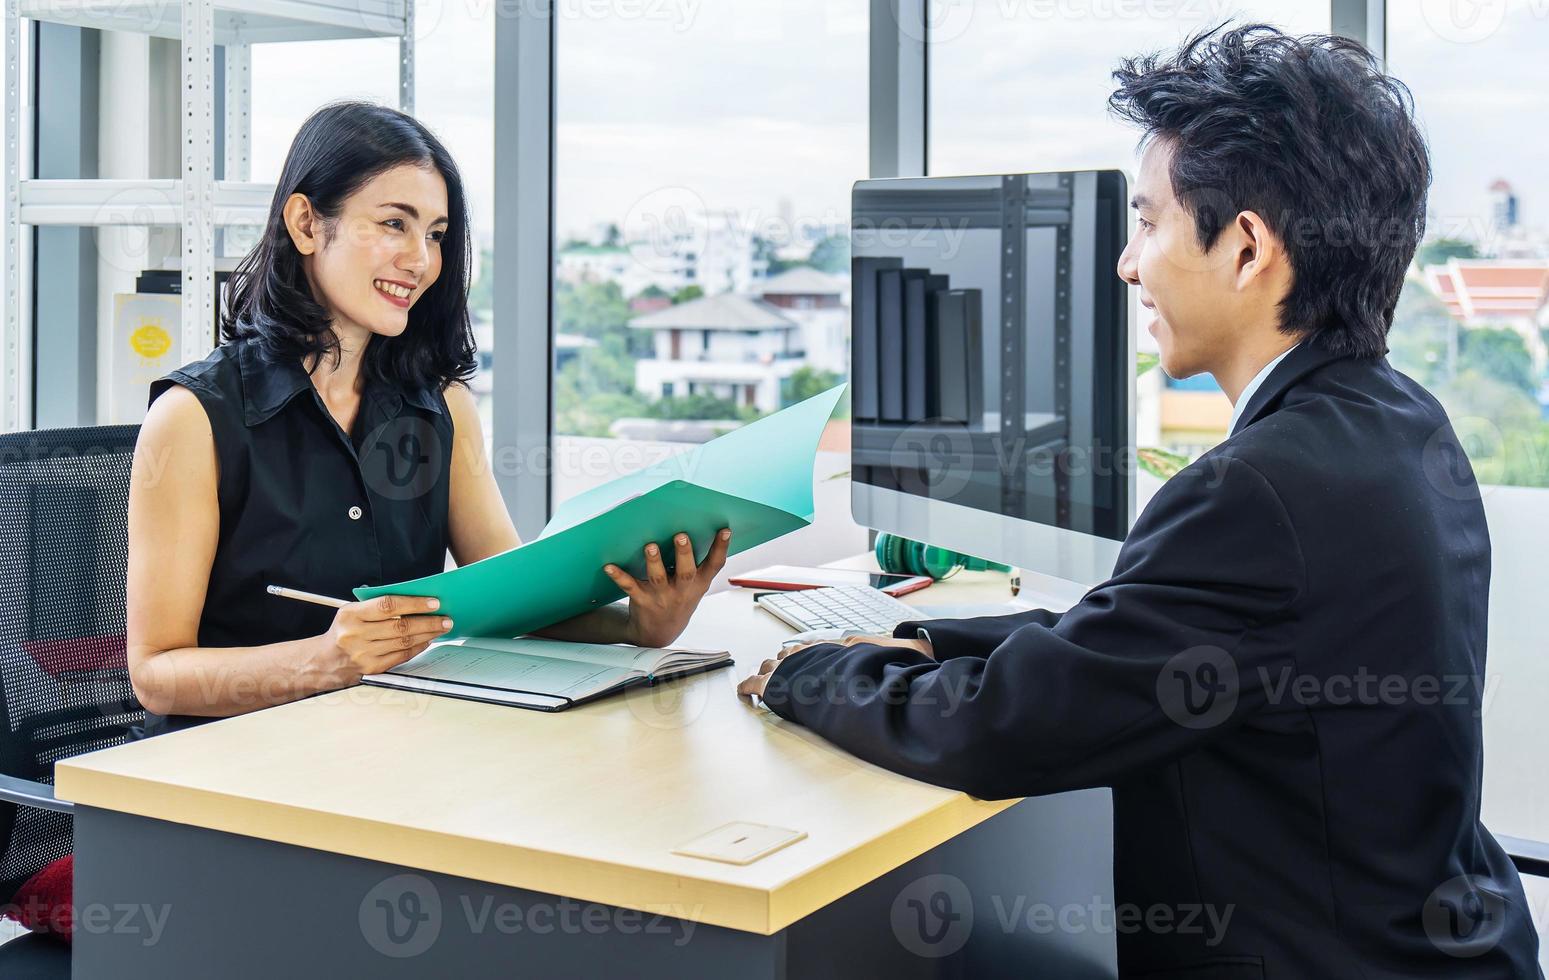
(756, 480)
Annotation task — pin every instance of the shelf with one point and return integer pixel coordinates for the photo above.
(904, 445)
(235, 25)
(104, 203)
(236, 21)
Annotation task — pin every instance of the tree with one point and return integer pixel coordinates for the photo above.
(832, 254)
(1500, 428)
(805, 382)
(591, 309)
(577, 413)
(612, 237)
(701, 406)
(764, 249)
(597, 387)
(1418, 343)
(1438, 250)
(687, 293)
(1497, 353)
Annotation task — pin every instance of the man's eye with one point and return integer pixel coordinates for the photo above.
(1145, 224)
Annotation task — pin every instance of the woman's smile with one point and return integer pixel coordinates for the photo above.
(394, 292)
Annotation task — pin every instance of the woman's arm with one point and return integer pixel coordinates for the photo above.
(480, 526)
(174, 524)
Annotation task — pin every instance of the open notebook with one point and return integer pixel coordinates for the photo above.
(549, 675)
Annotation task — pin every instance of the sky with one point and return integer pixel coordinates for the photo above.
(760, 105)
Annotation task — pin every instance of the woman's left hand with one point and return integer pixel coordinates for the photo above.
(660, 606)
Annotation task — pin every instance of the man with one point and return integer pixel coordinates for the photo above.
(1282, 680)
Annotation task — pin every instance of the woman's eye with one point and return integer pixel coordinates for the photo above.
(436, 236)
(394, 223)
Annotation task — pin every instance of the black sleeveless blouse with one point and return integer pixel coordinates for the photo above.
(305, 505)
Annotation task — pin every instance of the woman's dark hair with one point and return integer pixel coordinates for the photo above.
(337, 151)
(1308, 133)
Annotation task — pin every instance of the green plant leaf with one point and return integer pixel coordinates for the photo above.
(1161, 463)
(1145, 361)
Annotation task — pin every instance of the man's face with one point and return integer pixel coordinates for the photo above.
(1193, 292)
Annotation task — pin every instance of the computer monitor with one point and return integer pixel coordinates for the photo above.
(993, 366)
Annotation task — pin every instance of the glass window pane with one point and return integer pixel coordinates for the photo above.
(1470, 326)
(1019, 86)
(703, 167)
(454, 96)
(1024, 87)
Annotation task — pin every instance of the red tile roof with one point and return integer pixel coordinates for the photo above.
(1482, 289)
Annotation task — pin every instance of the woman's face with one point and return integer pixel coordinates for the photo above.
(384, 253)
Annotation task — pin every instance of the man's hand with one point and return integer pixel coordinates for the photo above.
(753, 685)
(660, 607)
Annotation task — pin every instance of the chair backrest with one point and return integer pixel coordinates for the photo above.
(64, 682)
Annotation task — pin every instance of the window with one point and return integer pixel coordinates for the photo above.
(691, 216)
(454, 97)
(1024, 87)
(1471, 326)
(1472, 322)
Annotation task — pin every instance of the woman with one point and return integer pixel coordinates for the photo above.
(331, 441)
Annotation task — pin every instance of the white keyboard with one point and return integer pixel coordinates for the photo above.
(858, 607)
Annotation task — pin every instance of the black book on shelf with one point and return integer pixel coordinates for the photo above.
(957, 356)
(973, 334)
(890, 344)
(892, 325)
(864, 341)
(917, 355)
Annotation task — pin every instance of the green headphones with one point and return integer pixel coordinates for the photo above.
(904, 557)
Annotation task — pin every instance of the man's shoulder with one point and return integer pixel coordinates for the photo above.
(1349, 399)
(1356, 426)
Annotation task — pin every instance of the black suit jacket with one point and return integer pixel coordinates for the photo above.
(1282, 684)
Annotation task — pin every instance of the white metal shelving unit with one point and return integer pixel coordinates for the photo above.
(195, 201)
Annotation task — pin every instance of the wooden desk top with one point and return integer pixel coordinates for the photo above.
(587, 803)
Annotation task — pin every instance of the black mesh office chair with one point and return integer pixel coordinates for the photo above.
(64, 683)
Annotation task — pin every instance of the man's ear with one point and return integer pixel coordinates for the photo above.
(303, 223)
(1258, 251)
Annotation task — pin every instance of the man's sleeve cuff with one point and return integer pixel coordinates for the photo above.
(777, 692)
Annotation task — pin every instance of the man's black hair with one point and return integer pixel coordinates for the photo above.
(1308, 133)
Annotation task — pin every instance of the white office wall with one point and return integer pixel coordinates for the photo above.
(1516, 790)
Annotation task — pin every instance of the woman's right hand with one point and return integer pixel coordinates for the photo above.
(378, 634)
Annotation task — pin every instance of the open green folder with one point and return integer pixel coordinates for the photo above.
(756, 480)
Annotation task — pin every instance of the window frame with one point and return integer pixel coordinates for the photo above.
(522, 406)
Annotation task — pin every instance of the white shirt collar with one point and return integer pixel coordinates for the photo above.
(1258, 379)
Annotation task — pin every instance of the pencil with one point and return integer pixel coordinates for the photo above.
(322, 600)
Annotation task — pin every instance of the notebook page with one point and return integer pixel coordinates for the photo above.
(464, 664)
(625, 657)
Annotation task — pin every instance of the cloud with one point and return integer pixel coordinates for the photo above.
(759, 100)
